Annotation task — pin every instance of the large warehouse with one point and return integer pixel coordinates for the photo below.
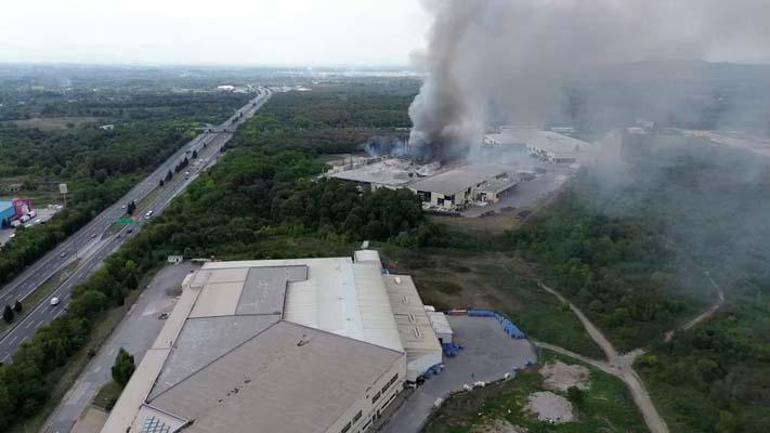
(548, 146)
(305, 345)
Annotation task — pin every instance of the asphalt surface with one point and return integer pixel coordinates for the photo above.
(135, 333)
(489, 353)
(90, 245)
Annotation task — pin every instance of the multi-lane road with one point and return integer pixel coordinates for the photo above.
(90, 245)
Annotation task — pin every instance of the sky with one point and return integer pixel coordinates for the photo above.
(221, 32)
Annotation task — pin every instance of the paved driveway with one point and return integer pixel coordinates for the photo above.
(489, 353)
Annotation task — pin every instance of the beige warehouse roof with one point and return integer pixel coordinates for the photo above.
(274, 382)
(229, 356)
(417, 335)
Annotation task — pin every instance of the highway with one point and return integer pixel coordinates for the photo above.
(90, 245)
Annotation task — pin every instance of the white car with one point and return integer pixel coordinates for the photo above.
(54, 301)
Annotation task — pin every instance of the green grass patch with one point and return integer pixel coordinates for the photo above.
(607, 406)
(108, 396)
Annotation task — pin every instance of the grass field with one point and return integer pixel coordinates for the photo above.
(107, 396)
(458, 279)
(606, 407)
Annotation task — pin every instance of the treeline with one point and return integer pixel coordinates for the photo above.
(119, 103)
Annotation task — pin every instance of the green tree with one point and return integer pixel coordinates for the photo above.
(123, 368)
(576, 395)
(728, 422)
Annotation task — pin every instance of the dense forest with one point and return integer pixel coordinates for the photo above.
(262, 200)
(638, 248)
(98, 165)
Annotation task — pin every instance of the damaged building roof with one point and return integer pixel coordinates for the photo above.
(459, 178)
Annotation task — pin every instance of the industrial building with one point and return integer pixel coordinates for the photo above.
(7, 213)
(451, 187)
(460, 187)
(547, 146)
(301, 345)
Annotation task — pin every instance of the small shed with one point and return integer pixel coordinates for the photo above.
(441, 326)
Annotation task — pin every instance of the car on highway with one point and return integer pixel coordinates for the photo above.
(149, 213)
(54, 301)
(93, 235)
(63, 254)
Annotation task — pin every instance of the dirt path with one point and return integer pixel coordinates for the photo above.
(618, 366)
(704, 315)
(593, 331)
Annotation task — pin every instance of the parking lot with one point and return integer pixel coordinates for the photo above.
(488, 354)
(43, 215)
(528, 194)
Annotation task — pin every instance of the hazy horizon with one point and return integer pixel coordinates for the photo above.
(299, 33)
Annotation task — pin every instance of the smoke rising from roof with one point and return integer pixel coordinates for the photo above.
(508, 61)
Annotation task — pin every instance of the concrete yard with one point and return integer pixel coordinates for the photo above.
(135, 333)
(488, 355)
(529, 194)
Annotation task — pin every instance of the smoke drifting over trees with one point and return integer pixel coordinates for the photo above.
(509, 61)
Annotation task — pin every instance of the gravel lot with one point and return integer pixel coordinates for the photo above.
(548, 406)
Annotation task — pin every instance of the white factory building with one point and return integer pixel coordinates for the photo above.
(548, 146)
(281, 346)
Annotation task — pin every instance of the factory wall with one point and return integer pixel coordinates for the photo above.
(373, 402)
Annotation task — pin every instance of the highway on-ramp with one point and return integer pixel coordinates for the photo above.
(90, 245)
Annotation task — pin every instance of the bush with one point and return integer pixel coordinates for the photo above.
(123, 368)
